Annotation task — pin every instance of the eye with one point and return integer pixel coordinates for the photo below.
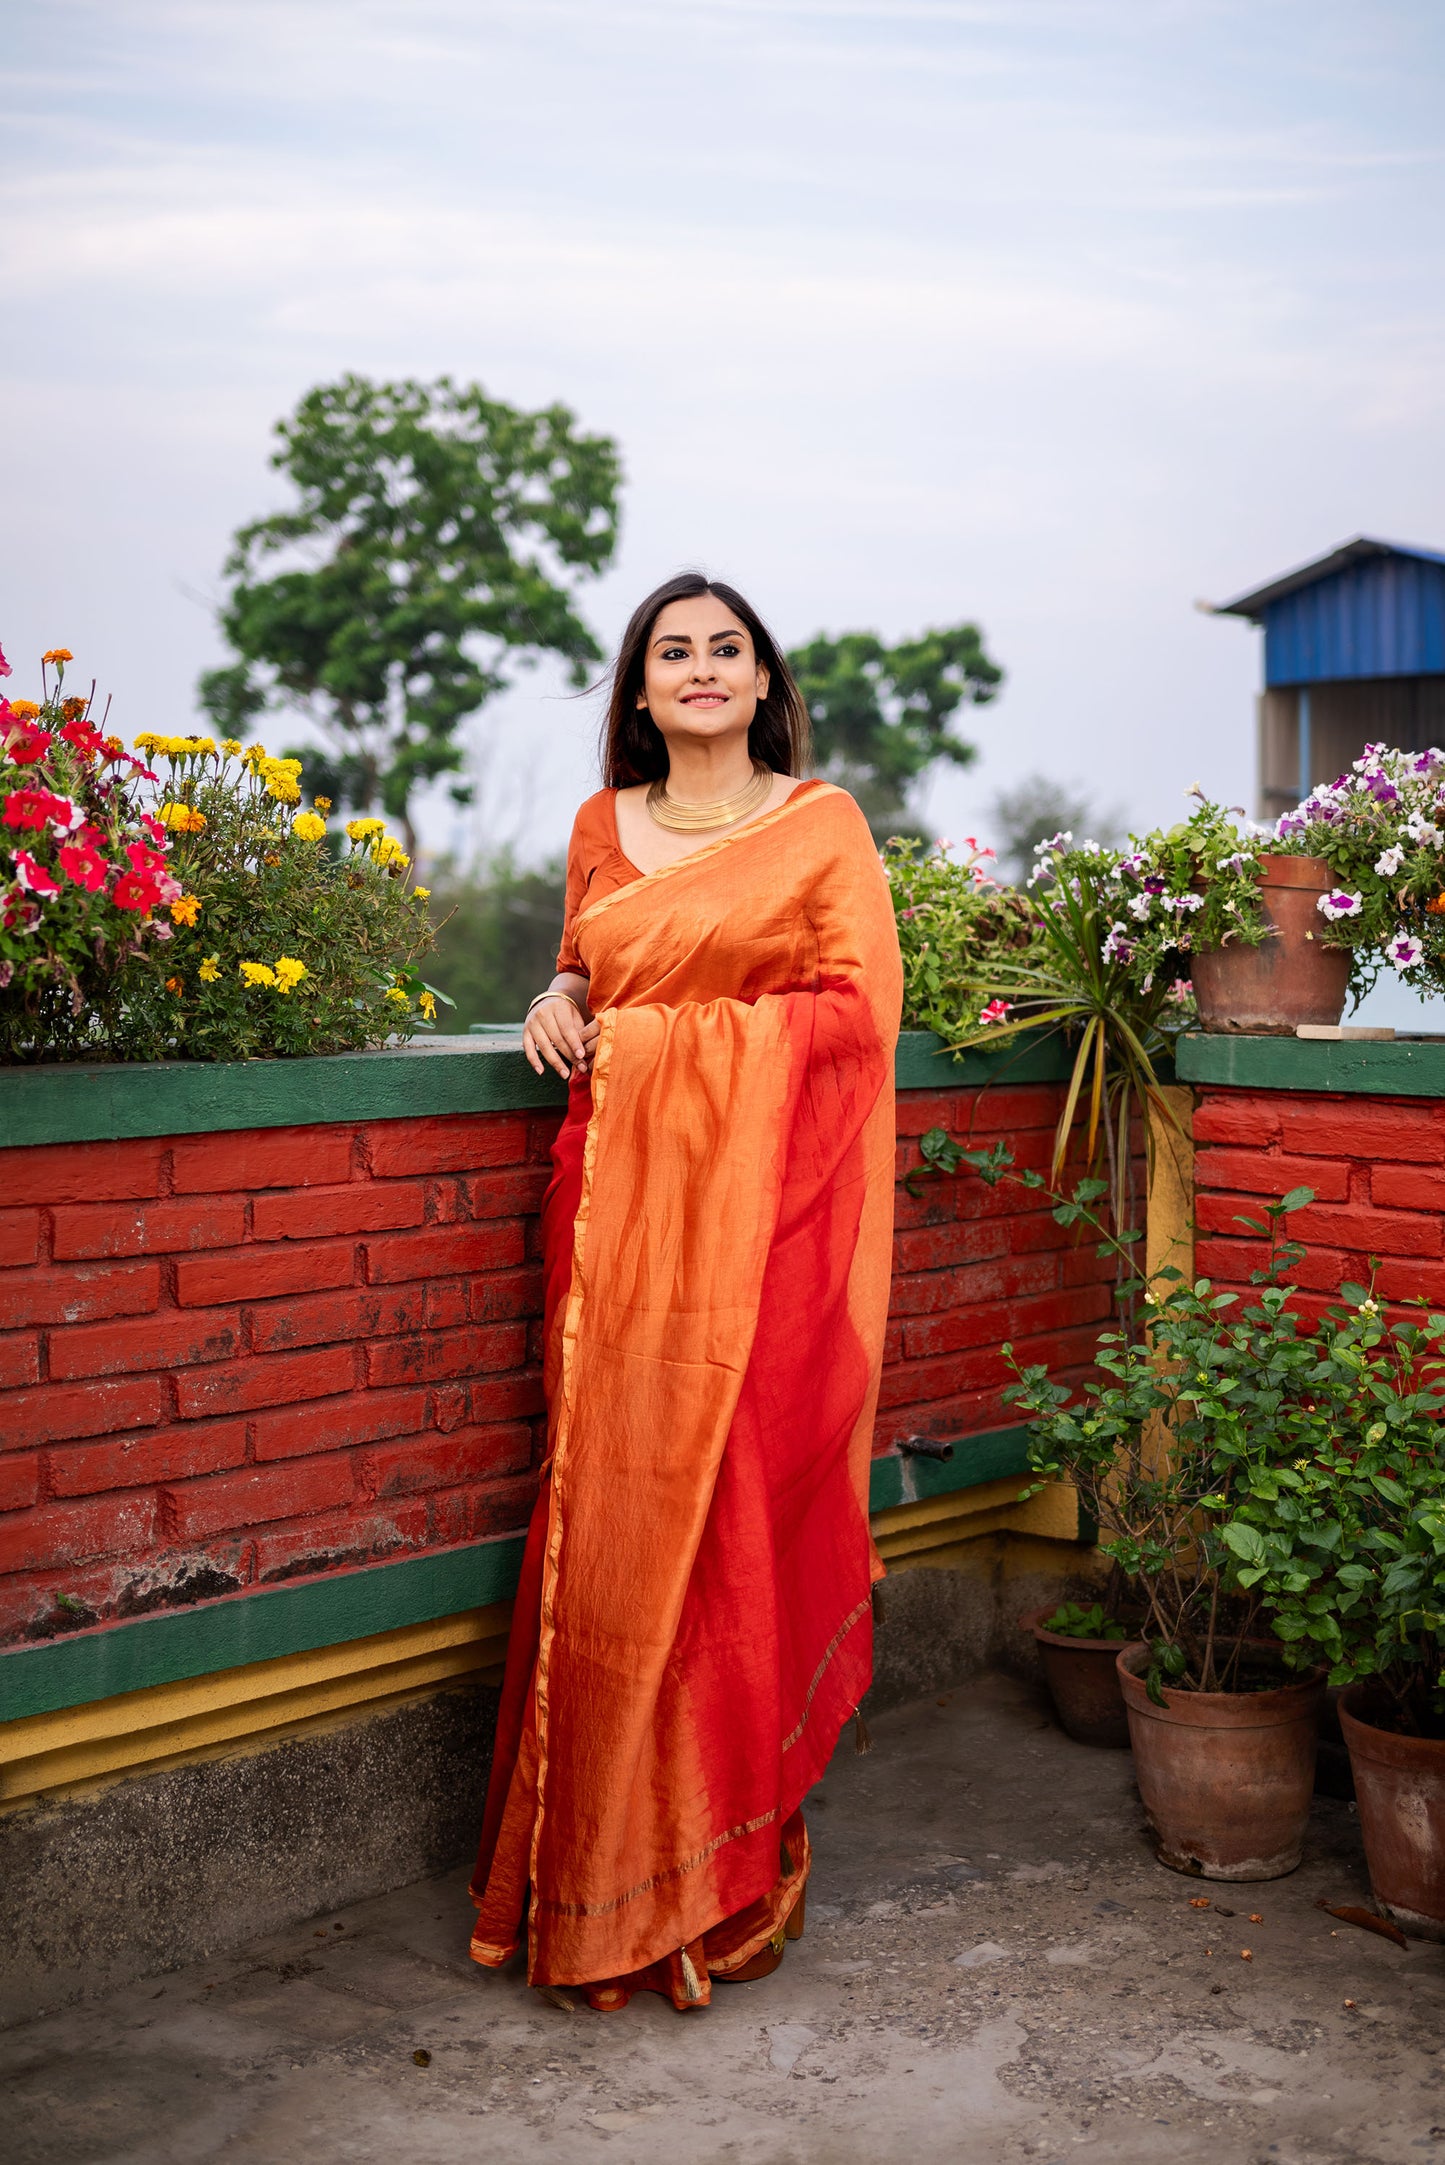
(674, 654)
(727, 648)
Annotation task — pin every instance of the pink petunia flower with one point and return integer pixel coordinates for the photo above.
(1340, 904)
(1404, 950)
(5, 669)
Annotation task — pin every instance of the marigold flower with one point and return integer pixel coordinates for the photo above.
(185, 910)
(182, 818)
(359, 829)
(1437, 907)
(148, 742)
(308, 827)
(394, 992)
(258, 973)
(423, 894)
(387, 850)
(231, 747)
(73, 708)
(24, 710)
(427, 1004)
(289, 972)
(58, 654)
(209, 970)
(112, 747)
(173, 984)
(322, 804)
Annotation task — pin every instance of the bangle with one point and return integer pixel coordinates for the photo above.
(554, 996)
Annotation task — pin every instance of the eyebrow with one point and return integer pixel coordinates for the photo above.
(683, 638)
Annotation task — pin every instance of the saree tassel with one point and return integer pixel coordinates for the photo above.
(691, 1982)
(554, 1998)
(862, 1742)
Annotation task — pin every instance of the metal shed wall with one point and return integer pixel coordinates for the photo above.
(1384, 617)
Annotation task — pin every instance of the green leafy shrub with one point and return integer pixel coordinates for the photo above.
(1071, 1620)
(192, 912)
(956, 928)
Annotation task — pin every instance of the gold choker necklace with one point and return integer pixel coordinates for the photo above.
(722, 812)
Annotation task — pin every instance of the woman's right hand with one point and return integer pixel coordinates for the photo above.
(556, 1032)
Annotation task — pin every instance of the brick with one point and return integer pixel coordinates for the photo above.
(928, 1292)
(19, 1481)
(258, 1158)
(336, 1423)
(1231, 1116)
(254, 1494)
(50, 1413)
(507, 1398)
(1003, 1109)
(1368, 1232)
(364, 1206)
(264, 1273)
(992, 1322)
(340, 1538)
(476, 1512)
(1253, 1172)
(447, 1303)
(54, 1535)
(277, 1379)
(159, 1228)
(514, 1193)
(19, 1359)
(405, 1469)
(1407, 1187)
(1367, 1128)
(19, 1238)
(542, 1131)
(164, 1454)
(435, 1356)
(936, 1247)
(164, 1340)
(917, 1111)
(446, 1144)
(491, 1245)
(326, 1317)
(1413, 1280)
(47, 1173)
(499, 1299)
(83, 1295)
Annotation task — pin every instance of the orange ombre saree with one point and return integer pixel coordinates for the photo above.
(694, 1622)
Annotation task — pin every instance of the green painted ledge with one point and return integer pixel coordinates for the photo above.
(1360, 1067)
(472, 1074)
(260, 1626)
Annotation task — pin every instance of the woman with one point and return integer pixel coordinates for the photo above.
(693, 1623)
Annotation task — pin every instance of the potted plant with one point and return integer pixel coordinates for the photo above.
(1078, 1647)
(1223, 1731)
(1342, 1536)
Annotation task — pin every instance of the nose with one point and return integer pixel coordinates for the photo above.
(703, 669)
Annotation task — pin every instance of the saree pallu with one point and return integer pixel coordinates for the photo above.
(694, 1622)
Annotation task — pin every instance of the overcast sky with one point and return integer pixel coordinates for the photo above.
(1053, 314)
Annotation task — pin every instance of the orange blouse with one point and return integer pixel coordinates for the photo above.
(597, 867)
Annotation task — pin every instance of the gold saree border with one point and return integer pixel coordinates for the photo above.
(828, 1652)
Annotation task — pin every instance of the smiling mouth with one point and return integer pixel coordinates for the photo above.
(704, 699)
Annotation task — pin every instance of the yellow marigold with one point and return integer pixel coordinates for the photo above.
(231, 747)
(148, 741)
(185, 909)
(289, 972)
(254, 754)
(280, 778)
(210, 970)
(307, 827)
(427, 1004)
(387, 850)
(360, 829)
(322, 804)
(423, 894)
(58, 654)
(394, 992)
(181, 818)
(24, 710)
(258, 973)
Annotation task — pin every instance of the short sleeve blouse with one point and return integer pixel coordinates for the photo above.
(595, 867)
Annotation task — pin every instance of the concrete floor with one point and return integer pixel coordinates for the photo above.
(995, 1969)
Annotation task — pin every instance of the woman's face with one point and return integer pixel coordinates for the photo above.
(701, 676)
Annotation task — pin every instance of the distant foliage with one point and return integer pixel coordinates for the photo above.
(499, 926)
(882, 715)
(1037, 807)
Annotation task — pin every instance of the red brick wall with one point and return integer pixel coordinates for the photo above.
(1376, 1165)
(228, 1360)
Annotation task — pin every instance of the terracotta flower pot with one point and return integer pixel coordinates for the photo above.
(1083, 1680)
(1226, 1776)
(1400, 1791)
(1291, 977)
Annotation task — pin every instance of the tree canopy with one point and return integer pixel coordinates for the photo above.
(437, 529)
(881, 715)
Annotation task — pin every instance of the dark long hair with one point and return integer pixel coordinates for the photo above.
(633, 748)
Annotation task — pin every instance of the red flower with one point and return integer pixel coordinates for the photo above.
(134, 892)
(4, 665)
(91, 837)
(154, 829)
(142, 859)
(84, 736)
(18, 915)
(86, 867)
(33, 877)
(28, 745)
(29, 807)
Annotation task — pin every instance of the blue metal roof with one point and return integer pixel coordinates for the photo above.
(1368, 609)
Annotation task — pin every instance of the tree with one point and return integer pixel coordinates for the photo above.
(435, 531)
(881, 714)
(1036, 808)
(498, 929)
